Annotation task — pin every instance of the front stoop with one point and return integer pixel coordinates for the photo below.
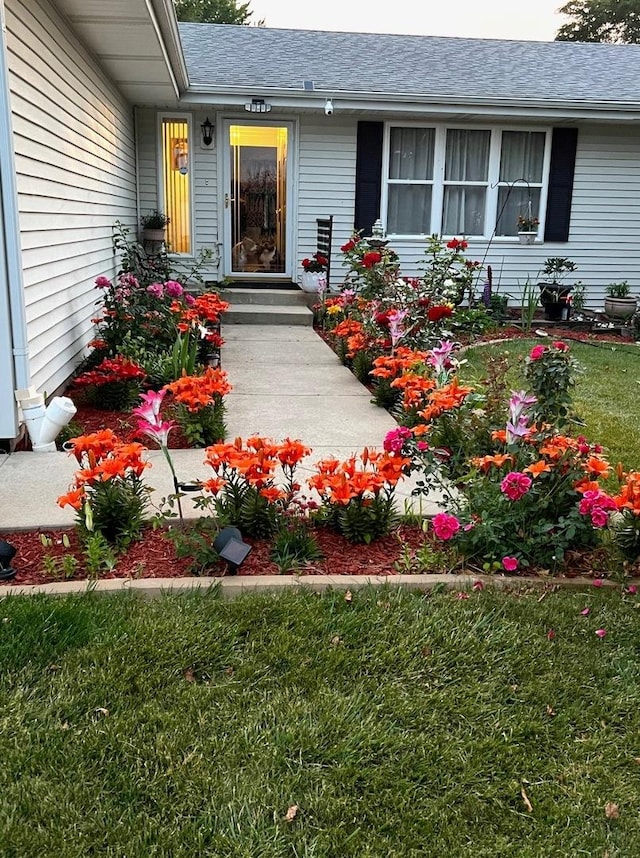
(267, 307)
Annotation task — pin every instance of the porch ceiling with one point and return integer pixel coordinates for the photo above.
(136, 42)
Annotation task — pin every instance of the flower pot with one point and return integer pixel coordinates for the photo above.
(557, 311)
(620, 308)
(153, 234)
(313, 281)
(527, 237)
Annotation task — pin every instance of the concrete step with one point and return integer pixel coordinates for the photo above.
(265, 297)
(264, 314)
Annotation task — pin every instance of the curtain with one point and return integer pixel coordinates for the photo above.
(409, 209)
(411, 153)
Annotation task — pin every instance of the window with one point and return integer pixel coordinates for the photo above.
(176, 184)
(463, 181)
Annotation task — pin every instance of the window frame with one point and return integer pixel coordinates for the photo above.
(438, 184)
(177, 116)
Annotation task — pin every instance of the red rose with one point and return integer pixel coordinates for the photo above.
(434, 314)
(537, 352)
(322, 260)
(560, 346)
(348, 246)
(306, 263)
(372, 258)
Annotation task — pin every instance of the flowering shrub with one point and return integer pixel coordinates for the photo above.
(114, 384)
(244, 492)
(551, 372)
(371, 266)
(358, 494)
(108, 492)
(200, 405)
(625, 524)
(448, 274)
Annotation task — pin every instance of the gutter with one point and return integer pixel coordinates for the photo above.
(355, 100)
(10, 226)
(163, 16)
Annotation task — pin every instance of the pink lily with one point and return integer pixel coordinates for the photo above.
(585, 612)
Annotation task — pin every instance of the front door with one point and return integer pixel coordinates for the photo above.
(256, 182)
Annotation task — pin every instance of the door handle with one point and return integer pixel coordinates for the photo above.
(227, 200)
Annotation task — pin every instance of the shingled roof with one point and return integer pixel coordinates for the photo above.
(421, 67)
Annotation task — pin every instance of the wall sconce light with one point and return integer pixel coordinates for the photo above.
(328, 107)
(207, 133)
(257, 105)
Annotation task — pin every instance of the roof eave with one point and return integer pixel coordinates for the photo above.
(422, 103)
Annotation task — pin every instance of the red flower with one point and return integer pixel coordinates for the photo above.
(348, 246)
(560, 346)
(457, 244)
(434, 314)
(372, 258)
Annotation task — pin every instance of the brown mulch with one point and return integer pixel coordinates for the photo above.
(154, 556)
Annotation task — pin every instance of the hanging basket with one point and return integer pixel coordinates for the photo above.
(527, 237)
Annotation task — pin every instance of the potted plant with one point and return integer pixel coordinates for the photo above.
(527, 228)
(154, 225)
(314, 274)
(555, 296)
(619, 304)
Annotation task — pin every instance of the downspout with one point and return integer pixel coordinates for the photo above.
(13, 253)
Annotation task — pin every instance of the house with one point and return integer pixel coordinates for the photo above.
(245, 136)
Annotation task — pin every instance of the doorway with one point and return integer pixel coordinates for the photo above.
(256, 201)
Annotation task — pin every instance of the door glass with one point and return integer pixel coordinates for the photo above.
(258, 199)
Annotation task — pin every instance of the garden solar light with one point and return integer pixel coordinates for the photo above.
(231, 547)
(7, 553)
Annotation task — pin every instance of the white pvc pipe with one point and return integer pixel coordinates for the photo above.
(44, 423)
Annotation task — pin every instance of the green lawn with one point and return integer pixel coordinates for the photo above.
(399, 724)
(606, 396)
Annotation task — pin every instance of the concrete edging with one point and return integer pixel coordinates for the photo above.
(234, 586)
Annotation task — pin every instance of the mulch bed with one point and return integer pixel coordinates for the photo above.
(154, 556)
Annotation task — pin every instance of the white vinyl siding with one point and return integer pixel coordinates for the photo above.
(75, 170)
(326, 186)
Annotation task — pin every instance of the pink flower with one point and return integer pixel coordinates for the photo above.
(103, 282)
(551, 635)
(478, 585)
(189, 300)
(632, 589)
(155, 289)
(599, 517)
(598, 582)
(510, 564)
(422, 446)
(148, 415)
(173, 288)
(585, 612)
(462, 595)
(601, 633)
(515, 485)
(560, 346)
(394, 440)
(445, 526)
(537, 352)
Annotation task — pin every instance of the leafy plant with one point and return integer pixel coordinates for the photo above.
(195, 539)
(155, 220)
(294, 545)
(99, 555)
(618, 290)
(551, 372)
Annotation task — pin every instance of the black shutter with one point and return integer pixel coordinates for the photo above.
(368, 175)
(563, 160)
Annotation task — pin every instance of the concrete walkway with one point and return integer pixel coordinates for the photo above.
(286, 383)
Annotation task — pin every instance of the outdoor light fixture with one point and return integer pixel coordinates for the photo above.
(257, 105)
(230, 546)
(207, 132)
(7, 553)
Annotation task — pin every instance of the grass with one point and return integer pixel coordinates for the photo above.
(399, 724)
(605, 397)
